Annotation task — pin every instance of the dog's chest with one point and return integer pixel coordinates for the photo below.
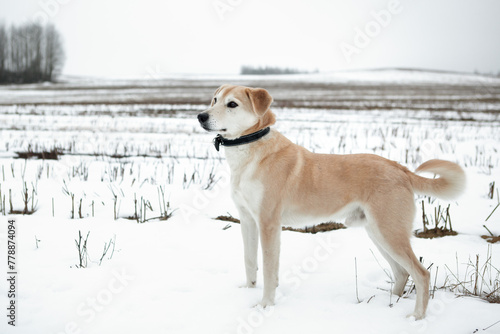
(246, 189)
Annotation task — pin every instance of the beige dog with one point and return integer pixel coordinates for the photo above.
(276, 182)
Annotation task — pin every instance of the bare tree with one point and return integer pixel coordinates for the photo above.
(15, 60)
(4, 40)
(54, 52)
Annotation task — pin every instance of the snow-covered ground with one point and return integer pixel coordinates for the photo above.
(182, 275)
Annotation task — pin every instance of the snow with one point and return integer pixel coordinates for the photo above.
(183, 275)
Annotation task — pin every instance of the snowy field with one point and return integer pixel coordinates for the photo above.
(141, 182)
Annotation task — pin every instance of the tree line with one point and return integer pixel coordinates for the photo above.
(269, 70)
(30, 53)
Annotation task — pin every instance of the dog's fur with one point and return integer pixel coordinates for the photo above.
(276, 182)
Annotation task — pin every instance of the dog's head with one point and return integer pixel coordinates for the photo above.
(236, 111)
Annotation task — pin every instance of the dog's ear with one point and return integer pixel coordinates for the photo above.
(261, 100)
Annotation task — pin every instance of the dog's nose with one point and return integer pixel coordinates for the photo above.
(203, 117)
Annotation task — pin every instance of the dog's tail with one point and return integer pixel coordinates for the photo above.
(450, 183)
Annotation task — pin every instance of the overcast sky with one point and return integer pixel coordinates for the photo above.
(157, 37)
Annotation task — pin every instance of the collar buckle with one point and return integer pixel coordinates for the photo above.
(217, 142)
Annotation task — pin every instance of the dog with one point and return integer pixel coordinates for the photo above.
(275, 182)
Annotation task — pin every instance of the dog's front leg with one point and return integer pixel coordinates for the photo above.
(250, 235)
(270, 233)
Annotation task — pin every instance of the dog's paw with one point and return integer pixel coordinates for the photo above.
(265, 303)
(248, 285)
(416, 316)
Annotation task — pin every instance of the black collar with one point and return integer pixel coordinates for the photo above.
(219, 140)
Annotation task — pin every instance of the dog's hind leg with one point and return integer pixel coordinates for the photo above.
(400, 274)
(390, 227)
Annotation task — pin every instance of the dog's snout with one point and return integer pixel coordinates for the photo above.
(203, 117)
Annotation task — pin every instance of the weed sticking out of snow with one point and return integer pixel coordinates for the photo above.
(440, 219)
(491, 238)
(481, 278)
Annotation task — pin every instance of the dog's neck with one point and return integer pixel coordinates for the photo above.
(250, 138)
(241, 156)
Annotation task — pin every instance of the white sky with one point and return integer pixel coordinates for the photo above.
(157, 37)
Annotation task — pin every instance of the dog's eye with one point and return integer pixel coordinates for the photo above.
(232, 104)
(215, 100)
